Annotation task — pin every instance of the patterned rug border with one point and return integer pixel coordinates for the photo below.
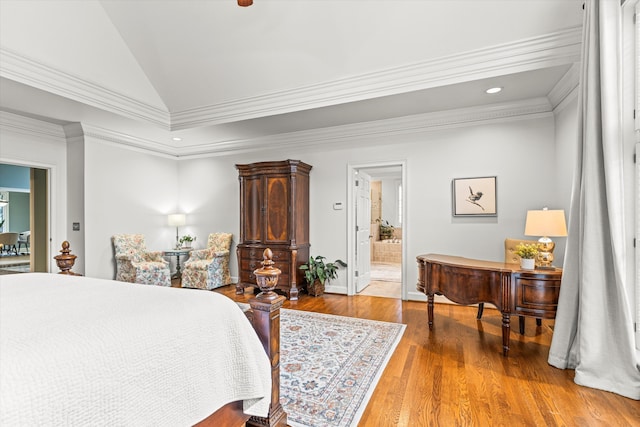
(362, 395)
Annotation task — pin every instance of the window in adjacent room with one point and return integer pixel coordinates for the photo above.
(4, 212)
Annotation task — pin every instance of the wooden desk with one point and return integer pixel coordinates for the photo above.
(468, 281)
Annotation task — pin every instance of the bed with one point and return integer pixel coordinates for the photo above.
(83, 351)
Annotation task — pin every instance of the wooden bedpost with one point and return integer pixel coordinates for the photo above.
(266, 321)
(66, 260)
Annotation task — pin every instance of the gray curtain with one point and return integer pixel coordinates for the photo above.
(594, 323)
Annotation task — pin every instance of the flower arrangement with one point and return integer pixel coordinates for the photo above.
(186, 240)
(526, 250)
(386, 229)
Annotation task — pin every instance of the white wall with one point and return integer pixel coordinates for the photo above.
(390, 200)
(566, 137)
(126, 191)
(520, 153)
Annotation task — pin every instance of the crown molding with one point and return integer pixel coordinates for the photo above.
(122, 140)
(15, 66)
(369, 133)
(562, 47)
(32, 127)
(381, 130)
(557, 48)
(567, 84)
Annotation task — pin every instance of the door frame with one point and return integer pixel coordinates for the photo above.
(45, 257)
(352, 168)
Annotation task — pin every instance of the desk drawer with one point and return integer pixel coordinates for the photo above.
(537, 297)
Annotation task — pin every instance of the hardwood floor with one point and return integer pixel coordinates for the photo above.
(456, 374)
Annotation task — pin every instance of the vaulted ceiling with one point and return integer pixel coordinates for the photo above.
(225, 78)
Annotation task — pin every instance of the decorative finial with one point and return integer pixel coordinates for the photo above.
(267, 276)
(66, 260)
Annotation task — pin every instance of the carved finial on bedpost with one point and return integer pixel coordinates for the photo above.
(266, 321)
(267, 276)
(66, 260)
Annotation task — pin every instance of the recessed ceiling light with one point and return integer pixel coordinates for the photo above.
(176, 138)
(494, 90)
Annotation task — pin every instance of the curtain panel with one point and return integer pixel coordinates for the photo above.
(594, 323)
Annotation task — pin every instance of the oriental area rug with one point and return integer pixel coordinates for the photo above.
(330, 365)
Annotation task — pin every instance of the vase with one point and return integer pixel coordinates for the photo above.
(527, 263)
(316, 288)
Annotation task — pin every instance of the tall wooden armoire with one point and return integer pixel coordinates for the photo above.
(274, 213)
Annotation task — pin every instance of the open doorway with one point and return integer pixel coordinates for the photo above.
(24, 215)
(377, 225)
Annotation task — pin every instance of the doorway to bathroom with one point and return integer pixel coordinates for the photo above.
(378, 226)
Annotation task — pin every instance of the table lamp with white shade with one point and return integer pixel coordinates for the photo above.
(546, 223)
(177, 220)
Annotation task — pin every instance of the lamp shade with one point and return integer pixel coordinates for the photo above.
(548, 223)
(177, 220)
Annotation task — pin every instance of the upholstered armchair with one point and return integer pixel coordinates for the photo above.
(137, 265)
(209, 268)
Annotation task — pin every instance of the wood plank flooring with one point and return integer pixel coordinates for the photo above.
(455, 375)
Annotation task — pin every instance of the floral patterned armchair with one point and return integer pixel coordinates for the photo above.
(209, 268)
(137, 265)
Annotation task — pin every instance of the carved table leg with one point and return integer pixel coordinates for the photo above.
(506, 329)
(480, 310)
(430, 309)
(293, 292)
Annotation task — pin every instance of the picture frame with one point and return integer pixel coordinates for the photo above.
(475, 196)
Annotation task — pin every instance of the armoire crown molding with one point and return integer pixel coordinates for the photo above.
(561, 47)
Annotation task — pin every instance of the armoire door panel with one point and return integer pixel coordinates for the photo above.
(277, 215)
(253, 203)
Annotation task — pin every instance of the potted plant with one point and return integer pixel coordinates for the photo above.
(527, 253)
(186, 241)
(317, 272)
(386, 229)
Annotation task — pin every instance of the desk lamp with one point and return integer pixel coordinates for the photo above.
(545, 223)
(177, 220)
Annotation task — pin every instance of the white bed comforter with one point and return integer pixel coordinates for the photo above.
(91, 352)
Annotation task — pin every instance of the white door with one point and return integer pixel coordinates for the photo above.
(363, 230)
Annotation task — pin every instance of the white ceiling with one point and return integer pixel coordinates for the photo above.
(223, 77)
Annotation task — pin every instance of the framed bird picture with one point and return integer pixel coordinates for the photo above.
(475, 196)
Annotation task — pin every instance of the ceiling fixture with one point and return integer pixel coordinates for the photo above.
(176, 138)
(493, 90)
(245, 3)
